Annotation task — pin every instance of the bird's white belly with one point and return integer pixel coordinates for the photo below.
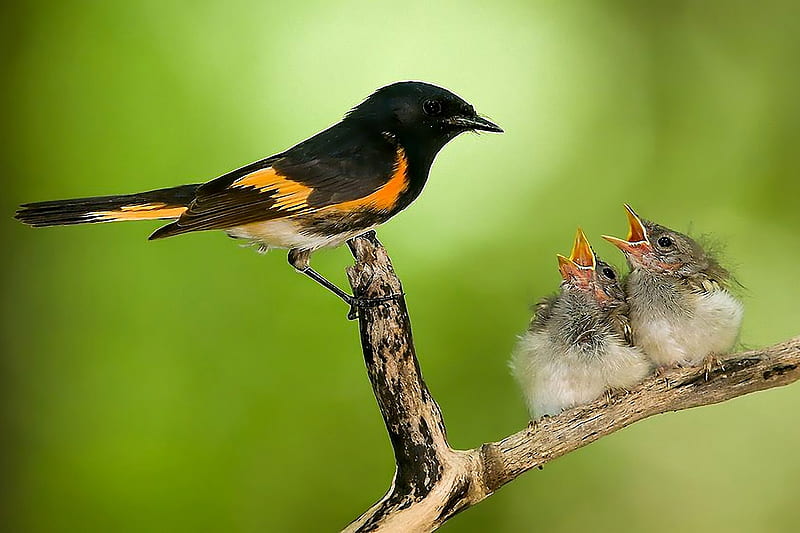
(709, 326)
(288, 233)
(553, 378)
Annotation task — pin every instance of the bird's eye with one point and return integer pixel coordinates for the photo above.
(432, 107)
(609, 273)
(664, 242)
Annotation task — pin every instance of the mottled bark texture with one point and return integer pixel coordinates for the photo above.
(432, 481)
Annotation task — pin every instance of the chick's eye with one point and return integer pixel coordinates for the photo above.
(607, 272)
(664, 242)
(432, 107)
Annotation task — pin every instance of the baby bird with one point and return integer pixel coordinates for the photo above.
(577, 345)
(680, 312)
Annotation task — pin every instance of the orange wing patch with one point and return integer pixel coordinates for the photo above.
(385, 198)
(292, 197)
(288, 195)
(154, 211)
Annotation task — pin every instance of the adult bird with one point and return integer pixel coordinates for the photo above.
(340, 183)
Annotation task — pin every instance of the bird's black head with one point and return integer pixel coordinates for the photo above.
(418, 113)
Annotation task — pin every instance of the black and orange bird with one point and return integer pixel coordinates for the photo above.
(334, 186)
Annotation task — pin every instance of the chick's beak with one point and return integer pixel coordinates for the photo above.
(581, 263)
(582, 252)
(636, 230)
(568, 268)
(474, 123)
(637, 242)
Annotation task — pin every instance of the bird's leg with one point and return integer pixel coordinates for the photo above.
(299, 259)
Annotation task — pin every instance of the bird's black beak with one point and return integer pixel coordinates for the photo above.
(474, 123)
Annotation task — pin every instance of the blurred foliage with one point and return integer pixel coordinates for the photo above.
(188, 385)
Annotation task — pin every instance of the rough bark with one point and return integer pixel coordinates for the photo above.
(432, 481)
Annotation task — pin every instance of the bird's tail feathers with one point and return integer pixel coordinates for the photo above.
(152, 205)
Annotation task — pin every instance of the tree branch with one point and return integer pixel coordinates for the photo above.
(432, 481)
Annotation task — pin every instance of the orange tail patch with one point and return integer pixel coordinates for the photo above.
(153, 211)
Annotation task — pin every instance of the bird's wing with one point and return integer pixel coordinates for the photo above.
(702, 284)
(284, 186)
(542, 311)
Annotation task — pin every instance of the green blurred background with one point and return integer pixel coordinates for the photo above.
(189, 385)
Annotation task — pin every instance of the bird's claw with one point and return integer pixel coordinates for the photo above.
(533, 424)
(356, 303)
(708, 365)
(661, 373)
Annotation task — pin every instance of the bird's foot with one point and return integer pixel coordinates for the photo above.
(661, 372)
(709, 363)
(533, 424)
(357, 303)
